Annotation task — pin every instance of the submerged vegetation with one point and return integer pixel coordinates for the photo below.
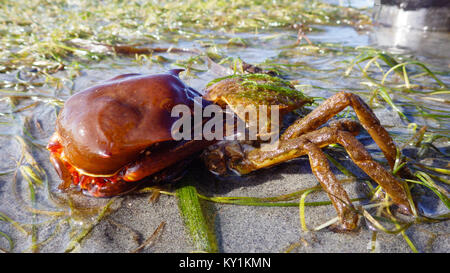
(48, 47)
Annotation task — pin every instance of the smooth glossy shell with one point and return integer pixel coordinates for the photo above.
(108, 125)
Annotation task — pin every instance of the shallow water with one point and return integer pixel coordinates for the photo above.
(319, 71)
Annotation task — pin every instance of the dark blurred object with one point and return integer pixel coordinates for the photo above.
(419, 26)
(430, 15)
(416, 4)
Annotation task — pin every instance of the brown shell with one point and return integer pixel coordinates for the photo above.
(106, 126)
(262, 90)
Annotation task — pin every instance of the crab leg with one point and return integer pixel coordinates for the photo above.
(340, 133)
(290, 148)
(385, 179)
(336, 104)
(321, 169)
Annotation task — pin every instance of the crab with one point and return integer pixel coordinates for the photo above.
(115, 136)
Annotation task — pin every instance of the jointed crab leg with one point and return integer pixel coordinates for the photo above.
(292, 148)
(385, 179)
(336, 104)
(342, 132)
(335, 191)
